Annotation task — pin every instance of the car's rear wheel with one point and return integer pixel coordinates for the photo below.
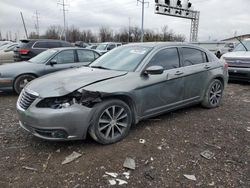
(21, 81)
(111, 122)
(213, 95)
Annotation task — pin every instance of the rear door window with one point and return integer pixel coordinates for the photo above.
(193, 56)
(167, 58)
(40, 45)
(85, 55)
(67, 56)
(53, 44)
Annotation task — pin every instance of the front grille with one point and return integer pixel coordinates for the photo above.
(242, 63)
(26, 99)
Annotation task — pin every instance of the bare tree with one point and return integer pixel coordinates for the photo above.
(105, 34)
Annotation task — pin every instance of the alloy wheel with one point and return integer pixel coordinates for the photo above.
(215, 93)
(113, 122)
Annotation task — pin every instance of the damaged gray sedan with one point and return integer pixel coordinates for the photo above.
(124, 86)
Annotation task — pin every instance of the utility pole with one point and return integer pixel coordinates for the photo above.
(64, 19)
(24, 25)
(37, 23)
(142, 16)
(129, 19)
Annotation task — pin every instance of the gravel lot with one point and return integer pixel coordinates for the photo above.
(173, 145)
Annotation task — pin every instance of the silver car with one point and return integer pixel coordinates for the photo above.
(124, 86)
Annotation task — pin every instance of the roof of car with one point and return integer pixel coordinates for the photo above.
(72, 48)
(55, 40)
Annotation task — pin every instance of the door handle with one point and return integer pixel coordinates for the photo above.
(178, 73)
(207, 66)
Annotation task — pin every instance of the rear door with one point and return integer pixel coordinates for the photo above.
(164, 91)
(195, 65)
(64, 60)
(85, 57)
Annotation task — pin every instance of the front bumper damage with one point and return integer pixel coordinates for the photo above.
(69, 123)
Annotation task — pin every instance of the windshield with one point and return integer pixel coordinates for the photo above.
(43, 57)
(125, 58)
(101, 47)
(240, 47)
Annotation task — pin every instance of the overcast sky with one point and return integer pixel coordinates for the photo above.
(219, 19)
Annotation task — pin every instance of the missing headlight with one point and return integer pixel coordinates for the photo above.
(85, 98)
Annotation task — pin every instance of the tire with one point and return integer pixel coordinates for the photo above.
(111, 122)
(21, 81)
(213, 95)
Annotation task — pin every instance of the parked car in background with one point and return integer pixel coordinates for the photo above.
(7, 52)
(92, 46)
(81, 44)
(239, 62)
(2, 43)
(107, 46)
(16, 75)
(29, 48)
(228, 47)
(122, 87)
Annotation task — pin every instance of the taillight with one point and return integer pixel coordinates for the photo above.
(23, 51)
(225, 64)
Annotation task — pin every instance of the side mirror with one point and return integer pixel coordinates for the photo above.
(154, 70)
(108, 48)
(53, 62)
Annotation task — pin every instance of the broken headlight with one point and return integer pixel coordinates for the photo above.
(85, 98)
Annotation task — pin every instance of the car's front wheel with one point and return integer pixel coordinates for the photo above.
(21, 81)
(111, 121)
(213, 94)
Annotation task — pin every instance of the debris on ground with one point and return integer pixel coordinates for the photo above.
(46, 163)
(121, 182)
(142, 141)
(159, 147)
(190, 177)
(71, 157)
(112, 182)
(58, 151)
(112, 174)
(77, 186)
(248, 129)
(246, 101)
(129, 163)
(149, 175)
(126, 174)
(29, 168)
(151, 158)
(207, 154)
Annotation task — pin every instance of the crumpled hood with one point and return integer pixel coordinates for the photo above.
(237, 55)
(65, 82)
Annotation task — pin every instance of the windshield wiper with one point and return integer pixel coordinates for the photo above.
(100, 67)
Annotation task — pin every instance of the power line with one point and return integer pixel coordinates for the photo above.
(142, 16)
(64, 19)
(37, 22)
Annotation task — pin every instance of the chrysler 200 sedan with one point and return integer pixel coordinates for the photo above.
(15, 76)
(131, 83)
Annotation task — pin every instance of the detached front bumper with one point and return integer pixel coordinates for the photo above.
(241, 74)
(56, 124)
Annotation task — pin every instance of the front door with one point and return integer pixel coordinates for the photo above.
(164, 91)
(63, 60)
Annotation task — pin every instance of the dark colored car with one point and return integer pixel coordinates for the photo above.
(16, 75)
(122, 87)
(29, 48)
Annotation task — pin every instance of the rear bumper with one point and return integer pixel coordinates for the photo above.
(241, 74)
